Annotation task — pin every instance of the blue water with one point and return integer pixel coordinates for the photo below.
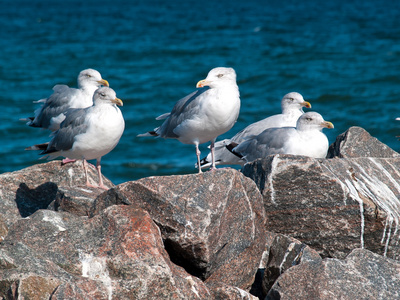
(342, 56)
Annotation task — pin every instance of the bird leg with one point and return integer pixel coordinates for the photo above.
(213, 167)
(98, 167)
(198, 157)
(86, 174)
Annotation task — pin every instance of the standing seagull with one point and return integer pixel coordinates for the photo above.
(304, 139)
(51, 113)
(292, 108)
(204, 114)
(88, 133)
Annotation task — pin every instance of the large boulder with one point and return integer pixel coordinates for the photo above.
(203, 236)
(284, 253)
(118, 254)
(362, 275)
(212, 224)
(332, 205)
(357, 142)
(223, 292)
(49, 184)
(52, 249)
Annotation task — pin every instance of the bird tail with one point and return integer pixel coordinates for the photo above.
(231, 147)
(29, 121)
(38, 147)
(149, 133)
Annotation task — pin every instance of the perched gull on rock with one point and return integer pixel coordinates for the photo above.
(51, 113)
(292, 108)
(88, 133)
(304, 139)
(204, 114)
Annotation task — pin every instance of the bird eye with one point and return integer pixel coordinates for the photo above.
(88, 75)
(103, 94)
(220, 75)
(291, 99)
(309, 119)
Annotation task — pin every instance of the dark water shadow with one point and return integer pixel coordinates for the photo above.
(30, 200)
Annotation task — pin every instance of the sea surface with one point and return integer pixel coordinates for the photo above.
(342, 56)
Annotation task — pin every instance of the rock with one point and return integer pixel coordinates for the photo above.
(77, 200)
(257, 287)
(332, 205)
(203, 236)
(285, 252)
(111, 197)
(25, 191)
(269, 240)
(212, 223)
(117, 254)
(31, 287)
(3, 229)
(22, 272)
(83, 289)
(357, 142)
(362, 275)
(222, 292)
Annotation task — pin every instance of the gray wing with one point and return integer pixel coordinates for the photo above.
(270, 141)
(56, 104)
(258, 127)
(73, 125)
(183, 109)
(163, 116)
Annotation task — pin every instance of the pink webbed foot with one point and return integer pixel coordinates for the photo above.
(67, 160)
(100, 186)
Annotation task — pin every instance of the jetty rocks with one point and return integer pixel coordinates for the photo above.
(283, 227)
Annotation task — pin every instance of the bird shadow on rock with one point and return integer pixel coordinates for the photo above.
(30, 200)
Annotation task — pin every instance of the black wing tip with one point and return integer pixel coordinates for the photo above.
(149, 133)
(42, 147)
(204, 161)
(153, 133)
(230, 148)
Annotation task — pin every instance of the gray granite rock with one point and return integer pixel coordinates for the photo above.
(357, 142)
(211, 223)
(332, 205)
(49, 184)
(284, 253)
(361, 275)
(118, 254)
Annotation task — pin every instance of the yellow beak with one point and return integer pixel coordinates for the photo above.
(202, 83)
(306, 104)
(327, 124)
(103, 82)
(118, 102)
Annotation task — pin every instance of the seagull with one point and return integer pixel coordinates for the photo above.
(305, 139)
(205, 114)
(292, 108)
(51, 113)
(88, 133)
